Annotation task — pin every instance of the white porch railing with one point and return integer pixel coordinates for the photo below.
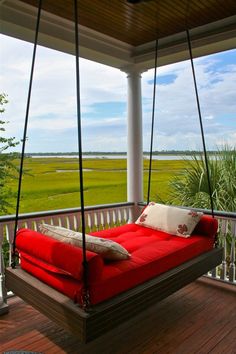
(227, 236)
(96, 218)
(106, 216)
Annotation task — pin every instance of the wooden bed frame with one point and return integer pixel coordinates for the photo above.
(107, 315)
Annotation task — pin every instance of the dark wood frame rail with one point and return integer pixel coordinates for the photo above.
(103, 317)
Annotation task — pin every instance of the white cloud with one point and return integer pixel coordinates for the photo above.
(177, 123)
(54, 86)
(54, 100)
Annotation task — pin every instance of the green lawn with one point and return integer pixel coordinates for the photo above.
(44, 188)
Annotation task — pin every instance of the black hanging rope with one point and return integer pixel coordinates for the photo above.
(202, 130)
(85, 295)
(201, 124)
(13, 264)
(152, 126)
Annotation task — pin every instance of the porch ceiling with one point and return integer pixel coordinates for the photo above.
(120, 34)
(137, 24)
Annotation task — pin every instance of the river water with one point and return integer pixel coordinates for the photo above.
(111, 157)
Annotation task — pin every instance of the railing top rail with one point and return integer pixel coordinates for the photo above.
(222, 214)
(7, 218)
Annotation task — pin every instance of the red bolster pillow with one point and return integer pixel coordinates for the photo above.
(207, 226)
(67, 258)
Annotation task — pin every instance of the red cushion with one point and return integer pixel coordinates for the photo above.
(63, 257)
(152, 253)
(64, 284)
(207, 226)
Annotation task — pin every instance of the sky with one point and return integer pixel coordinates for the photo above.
(52, 118)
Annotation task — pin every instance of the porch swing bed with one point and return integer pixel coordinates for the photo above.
(87, 294)
(51, 274)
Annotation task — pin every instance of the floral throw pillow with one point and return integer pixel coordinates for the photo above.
(173, 220)
(108, 249)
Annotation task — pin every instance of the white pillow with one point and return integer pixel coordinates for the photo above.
(106, 248)
(175, 221)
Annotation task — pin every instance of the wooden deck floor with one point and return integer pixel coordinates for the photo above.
(200, 318)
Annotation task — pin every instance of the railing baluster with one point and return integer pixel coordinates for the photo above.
(130, 214)
(116, 211)
(34, 226)
(102, 218)
(232, 253)
(108, 217)
(10, 237)
(96, 221)
(89, 222)
(9, 242)
(119, 216)
(78, 218)
(223, 233)
(3, 291)
(59, 221)
(126, 217)
(67, 222)
(2, 233)
(70, 222)
(75, 227)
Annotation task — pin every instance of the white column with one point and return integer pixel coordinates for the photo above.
(135, 140)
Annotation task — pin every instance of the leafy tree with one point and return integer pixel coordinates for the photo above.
(8, 170)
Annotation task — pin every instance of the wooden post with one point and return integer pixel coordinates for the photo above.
(3, 292)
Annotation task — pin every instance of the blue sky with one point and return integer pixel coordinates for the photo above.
(52, 121)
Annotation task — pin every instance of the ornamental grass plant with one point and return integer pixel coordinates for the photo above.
(190, 188)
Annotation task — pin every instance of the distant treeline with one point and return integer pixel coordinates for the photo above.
(97, 153)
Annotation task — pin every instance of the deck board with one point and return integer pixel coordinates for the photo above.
(200, 318)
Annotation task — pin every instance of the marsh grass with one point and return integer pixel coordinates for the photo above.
(43, 188)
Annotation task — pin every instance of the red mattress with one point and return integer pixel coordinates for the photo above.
(152, 253)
